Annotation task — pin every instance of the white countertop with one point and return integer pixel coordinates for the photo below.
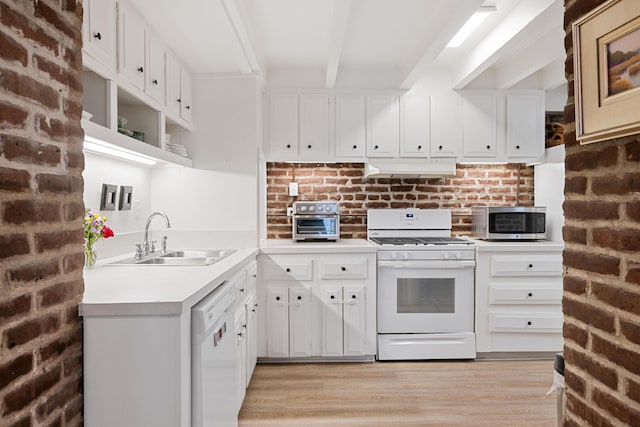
(285, 246)
(130, 290)
(519, 245)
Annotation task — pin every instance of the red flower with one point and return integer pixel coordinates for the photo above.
(107, 232)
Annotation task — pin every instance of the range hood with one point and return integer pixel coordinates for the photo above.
(410, 168)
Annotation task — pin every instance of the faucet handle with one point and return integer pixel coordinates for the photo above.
(164, 244)
(138, 253)
(153, 246)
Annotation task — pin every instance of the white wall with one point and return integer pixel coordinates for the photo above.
(556, 99)
(549, 191)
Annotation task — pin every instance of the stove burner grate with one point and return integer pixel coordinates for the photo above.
(419, 240)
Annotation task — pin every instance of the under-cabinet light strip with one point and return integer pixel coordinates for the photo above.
(96, 146)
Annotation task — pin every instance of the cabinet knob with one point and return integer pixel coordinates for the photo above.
(530, 294)
(140, 69)
(154, 81)
(288, 145)
(343, 268)
(179, 100)
(529, 323)
(488, 147)
(353, 297)
(241, 290)
(309, 146)
(277, 298)
(440, 147)
(188, 107)
(288, 270)
(299, 298)
(333, 297)
(530, 265)
(419, 147)
(98, 36)
(355, 147)
(517, 147)
(375, 147)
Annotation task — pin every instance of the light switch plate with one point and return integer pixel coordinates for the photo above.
(293, 189)
(108, 197)
(126, 197)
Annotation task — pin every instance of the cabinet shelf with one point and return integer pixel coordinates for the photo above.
(127, 143)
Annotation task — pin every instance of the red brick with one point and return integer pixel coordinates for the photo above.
(54, 240)
(630, 330)
(13, 244)
(73, 262)
(585, 160)
(34, 272)
(14, 180)
(612, 184)
(66, 343)
(26, 151)
(15, 369)
(30, 391)
(53, 18)
(575, 185)
(589, 314)
(22, 422)
(633, 390)
(614, 406)
(586, 412)
(12, 50)
(11, 115)
(29, 330)
(27, 28)
(575, 285)
(30, 89)
(574, 235)
(30, 211)
(58, 73)
(16, 306)
(614, 352)
(603, 374)
(574, 381)
(49, 183)
(58, 293)
(633, 273)
(624, 240)
(57, 130)
(577, 209)
(60, 398)
(633, 210)
(596, 263)
(575, 333)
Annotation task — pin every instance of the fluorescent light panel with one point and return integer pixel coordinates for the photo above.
(96, 146)
(471, 25)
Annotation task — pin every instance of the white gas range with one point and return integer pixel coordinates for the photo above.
(425, 285)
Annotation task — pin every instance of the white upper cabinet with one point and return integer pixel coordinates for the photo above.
(383, 122)
(155, 81)
(179, 92)
(351, 122)
(446, 125)
(283, 126)
(314, 126)
(99, 31)
(479, 130)
(414, 128)
(525, 125)
(186, 95)
(131, 45)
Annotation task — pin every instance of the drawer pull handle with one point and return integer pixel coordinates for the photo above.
(355, 147)
(530, 265)
(419, 147)
(309, 146)
(288, 145)
(488, 147)
(440, 147)
(299, 297)
(375, 147)
(343, 268)
(353, 296)
(530, 294)
(529, 323)
(333, 297)
(277, 298)
(288, 270)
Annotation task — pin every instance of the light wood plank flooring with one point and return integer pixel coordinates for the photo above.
(461, 393)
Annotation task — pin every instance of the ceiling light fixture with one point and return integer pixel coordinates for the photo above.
(97, 146)
(471, 25)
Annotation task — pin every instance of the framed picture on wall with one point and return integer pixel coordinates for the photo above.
(606, 55)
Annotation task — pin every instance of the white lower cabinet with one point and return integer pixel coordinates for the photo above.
(317, 305)
(519, 297)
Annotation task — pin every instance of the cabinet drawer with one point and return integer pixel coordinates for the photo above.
(288, 269)
(526, 265)
(352, 269)
(525, 322)
(525, 294)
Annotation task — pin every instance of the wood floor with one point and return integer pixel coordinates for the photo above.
(462, 393)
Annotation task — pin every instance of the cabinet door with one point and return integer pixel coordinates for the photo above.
(525, 126)
(186, 100)
(351, 122)
(154, 76)
(383, 123)
(299, 322)
(283, 126)
(99, 31)
(479, 115)
(277, 322)
(314, 126)
(332, 325)
(173, 68)
(354, 318)
(130, 45)
(414, 129)
(446, 129)
(252, 336)
(241, 354)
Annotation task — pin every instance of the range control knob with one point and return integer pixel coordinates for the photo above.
(445, 255)
(458, 255)
(405, 255)
(303, 208)
(312, 208)
(394, 255)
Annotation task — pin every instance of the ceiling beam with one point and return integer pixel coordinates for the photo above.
(428, 50)
(542, 52)
(249, 62)
(339, 23)
(526, 22)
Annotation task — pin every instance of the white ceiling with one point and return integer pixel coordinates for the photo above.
(390, 43)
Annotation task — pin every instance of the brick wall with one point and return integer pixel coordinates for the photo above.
(495, 185)
(602, 269)
(41, 211)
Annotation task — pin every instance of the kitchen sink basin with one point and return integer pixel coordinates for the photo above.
(190, 257)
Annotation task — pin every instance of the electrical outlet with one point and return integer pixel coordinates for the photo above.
(289, 211)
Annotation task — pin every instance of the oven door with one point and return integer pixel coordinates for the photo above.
(315, 227)
(425, 296)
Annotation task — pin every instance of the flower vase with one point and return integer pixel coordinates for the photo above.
(90, 257)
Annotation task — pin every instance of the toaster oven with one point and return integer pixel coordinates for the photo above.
(316, 221)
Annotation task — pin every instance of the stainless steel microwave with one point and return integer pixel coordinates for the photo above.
(509, 223)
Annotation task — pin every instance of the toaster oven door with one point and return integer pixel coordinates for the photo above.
(316, 227)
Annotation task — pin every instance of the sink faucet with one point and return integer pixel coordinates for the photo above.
(145, 243)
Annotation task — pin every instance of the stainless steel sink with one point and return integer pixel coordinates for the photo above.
(189, 257)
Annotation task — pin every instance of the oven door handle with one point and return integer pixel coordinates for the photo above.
(426, 264)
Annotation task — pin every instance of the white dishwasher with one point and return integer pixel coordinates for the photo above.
(214, 360)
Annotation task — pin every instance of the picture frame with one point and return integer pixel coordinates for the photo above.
(606, 54)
